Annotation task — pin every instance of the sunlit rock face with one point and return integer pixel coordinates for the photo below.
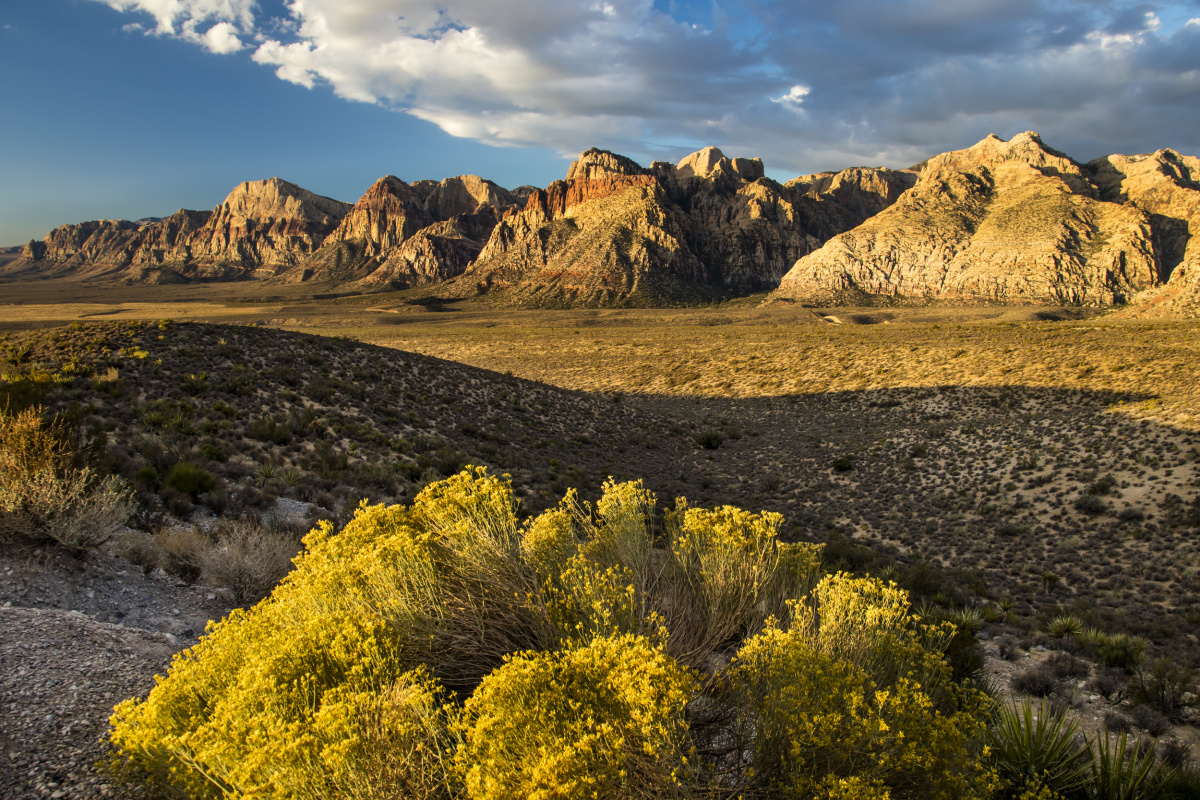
(1008, 222)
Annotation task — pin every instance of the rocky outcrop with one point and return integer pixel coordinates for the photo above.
(383, 219)
(711, 162)
(612, 247)
(465, 194)
(435, 253)
(846, 199)
(1166, 187)
(372, 243)
(999, 222)
(262, 228)
(615, 232)
(594, 163)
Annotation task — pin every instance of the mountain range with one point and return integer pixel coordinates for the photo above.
(999, 222)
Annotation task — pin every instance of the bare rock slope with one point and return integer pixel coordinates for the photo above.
(614, 232)
(261, 229)
(1005, 222)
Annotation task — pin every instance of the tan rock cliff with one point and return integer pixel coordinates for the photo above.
(999, 222)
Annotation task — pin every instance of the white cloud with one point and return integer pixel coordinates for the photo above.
(794, 97)
(806, 84)
(221, 38)
(171, 16)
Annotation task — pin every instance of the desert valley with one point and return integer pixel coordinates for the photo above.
(972, 381)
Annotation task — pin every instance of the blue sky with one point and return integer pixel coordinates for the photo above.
(133, 108)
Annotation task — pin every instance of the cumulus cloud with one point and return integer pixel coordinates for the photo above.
(807, 84)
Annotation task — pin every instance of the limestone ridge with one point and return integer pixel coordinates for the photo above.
(1166, 187)
(402, 235)
(614, 232)
(261, 229)
(998, 222)
(1004, 222)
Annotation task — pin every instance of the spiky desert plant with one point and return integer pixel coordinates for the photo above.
(1031, 749)
(1120, 772)
(1064, 625)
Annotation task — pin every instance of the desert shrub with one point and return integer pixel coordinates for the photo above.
(1166, 686)
(187, 478)
(268, 429)
(1034, 751)
(842, 464)
(1174, 753)
(1120, 650)
(710, 440)
(140, 549)
(445, 648)
(1116, 722)
(46, 494)
(1107, 684)
(248, 559)
(1038, 681)
(181, 552)
(851, 700)
(592, 721)
(1065, 665)
(1153, 721)
(1090, 504)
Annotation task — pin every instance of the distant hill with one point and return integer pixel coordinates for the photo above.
(1002, 222)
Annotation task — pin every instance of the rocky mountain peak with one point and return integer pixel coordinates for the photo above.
(596, 163)
(465, 194)
(711, 162)
(275, 198)
(993, 152)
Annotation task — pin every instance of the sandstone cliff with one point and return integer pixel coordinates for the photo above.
(1166, 187)
(614, 232)
(375, 241)
(261, 229)
(999, 222)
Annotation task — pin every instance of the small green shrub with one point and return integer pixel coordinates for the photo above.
(842, 464)
(187, 478)
(1120, 650)
(710, 440)
(146, 476)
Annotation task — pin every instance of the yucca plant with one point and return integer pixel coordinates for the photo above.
(1120, 772)
(1038, 749)
(1064, 625)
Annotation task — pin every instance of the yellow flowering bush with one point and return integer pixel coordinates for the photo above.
(448, 649)
(598, 721)
(847, 701)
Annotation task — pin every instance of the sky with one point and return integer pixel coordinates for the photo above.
(135, 108)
